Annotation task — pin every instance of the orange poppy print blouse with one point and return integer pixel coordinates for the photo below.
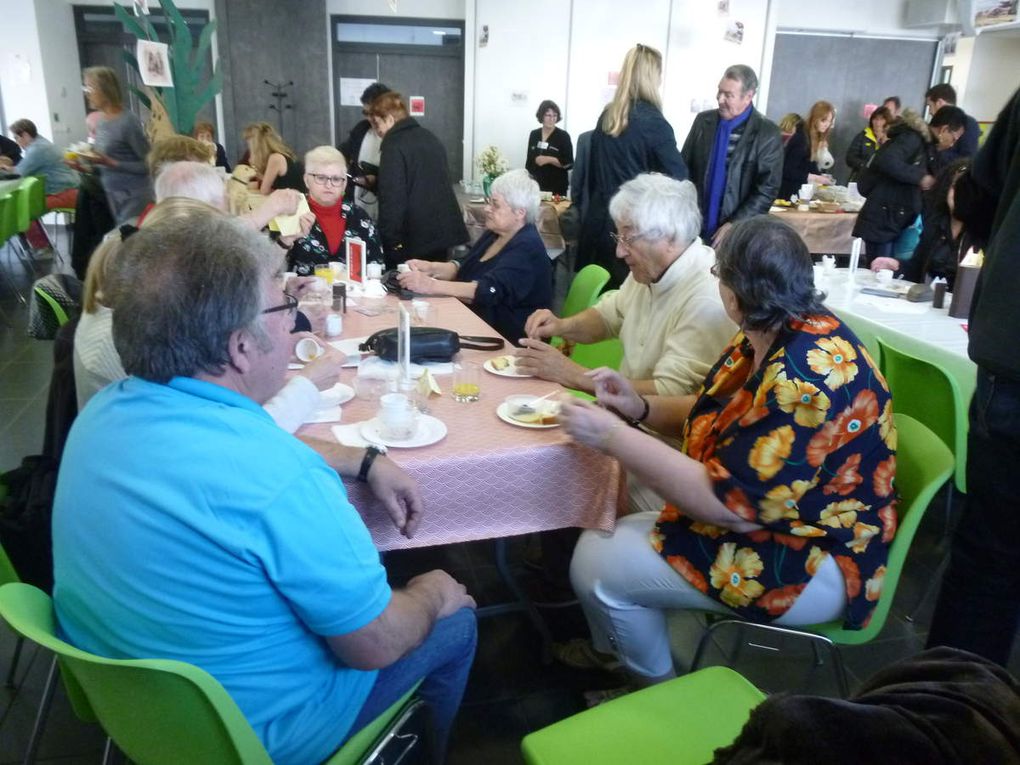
(806, 448)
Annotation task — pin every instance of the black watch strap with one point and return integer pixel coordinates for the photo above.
(635, 421)
(366, 462)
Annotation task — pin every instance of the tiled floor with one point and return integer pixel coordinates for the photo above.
(510, 691)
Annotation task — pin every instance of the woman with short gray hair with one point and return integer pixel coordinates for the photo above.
(507, 275)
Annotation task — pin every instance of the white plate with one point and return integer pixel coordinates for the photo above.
(430, 431)
(487, 366)
(338, 394)
(503, 412)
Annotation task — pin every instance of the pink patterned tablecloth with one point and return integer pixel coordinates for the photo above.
(486, 478)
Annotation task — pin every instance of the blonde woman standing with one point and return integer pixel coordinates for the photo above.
(273, 160)
(632, 137)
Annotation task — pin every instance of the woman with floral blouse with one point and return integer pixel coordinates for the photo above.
(781, 506)
(336, 221)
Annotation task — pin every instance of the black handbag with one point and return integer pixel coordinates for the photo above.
(427, 344)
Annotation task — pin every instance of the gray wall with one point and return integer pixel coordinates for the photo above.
(276, 40)
(849, 72)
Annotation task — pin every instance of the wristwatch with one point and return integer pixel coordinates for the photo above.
(366, 462)
(635, 421)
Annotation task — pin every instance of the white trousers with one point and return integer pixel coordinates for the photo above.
(625, 588)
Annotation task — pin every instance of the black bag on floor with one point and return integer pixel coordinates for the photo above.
(25, 513)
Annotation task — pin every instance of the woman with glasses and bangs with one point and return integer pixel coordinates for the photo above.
(336, 220)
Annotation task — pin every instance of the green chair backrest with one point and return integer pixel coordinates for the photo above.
(159, 711)
(584, 289)
(679, 722)
(22, 218)
(923, 464)
(35, 193)
(605, 353)
(7, 572)
(8, 217)
(925, 391)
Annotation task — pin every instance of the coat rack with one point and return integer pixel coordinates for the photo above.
(280, 95)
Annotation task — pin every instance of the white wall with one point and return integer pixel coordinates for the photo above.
(21, 67)
(62, 73)
(873, 17)
(993, 76)
(524, 62)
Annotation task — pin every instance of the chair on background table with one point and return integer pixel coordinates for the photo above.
(679, 722)
(158, 711)
(923, 464)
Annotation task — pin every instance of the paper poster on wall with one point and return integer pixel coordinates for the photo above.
(724, 7)
(417, 106)
(483, 36)
(154, 62)
(351, 89)
(989, 13)
(518, 98)
(734, 32)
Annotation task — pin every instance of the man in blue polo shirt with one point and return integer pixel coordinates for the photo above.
(187, 525)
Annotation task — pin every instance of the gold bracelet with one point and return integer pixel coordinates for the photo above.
(604, 441)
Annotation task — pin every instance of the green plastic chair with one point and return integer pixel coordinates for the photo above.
(158, 711)
(8, 574)
(35, 196)
(584, 289)
(679, 722)
(923, 464)
(10, 228)
(928, 393)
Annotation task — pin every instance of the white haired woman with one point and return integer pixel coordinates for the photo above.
(507, 273)
(336, 221)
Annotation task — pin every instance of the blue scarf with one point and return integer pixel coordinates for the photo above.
(717, 168)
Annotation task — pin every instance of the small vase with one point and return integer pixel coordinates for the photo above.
(487, 185)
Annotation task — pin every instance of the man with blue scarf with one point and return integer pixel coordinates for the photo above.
(734, 155)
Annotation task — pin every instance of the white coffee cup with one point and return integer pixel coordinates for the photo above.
(828, 263)
(308, 350)
(374, 270)
(807, 190)
(884, 275)
(397, 417)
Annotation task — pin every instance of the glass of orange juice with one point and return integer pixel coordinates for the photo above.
(326, 272)
(466, 382)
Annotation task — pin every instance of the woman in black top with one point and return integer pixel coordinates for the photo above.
(550, 151)
(273, 160)
(866, 143)
(807, 153)
(632, 137)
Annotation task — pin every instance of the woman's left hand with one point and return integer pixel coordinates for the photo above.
(588, 423)
(417, 281)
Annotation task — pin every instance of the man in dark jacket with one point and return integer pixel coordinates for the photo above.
(734, 156)
(979, 605)
(944, 94)
(364, 177)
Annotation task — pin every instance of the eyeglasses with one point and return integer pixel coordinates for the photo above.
(627, 240)
(291, 305)
(328, 180)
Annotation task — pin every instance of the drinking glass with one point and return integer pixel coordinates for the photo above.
(466, 382)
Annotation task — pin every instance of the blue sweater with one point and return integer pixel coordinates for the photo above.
(512, 285)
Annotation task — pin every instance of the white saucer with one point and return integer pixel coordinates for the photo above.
(503, 412)
(349, 347)
(488, 367)
(338, 394)
(430, 430)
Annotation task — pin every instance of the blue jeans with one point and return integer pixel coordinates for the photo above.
(444, 660)
(877, 250)
(979, 604)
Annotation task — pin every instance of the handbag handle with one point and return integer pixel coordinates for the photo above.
(476, 343)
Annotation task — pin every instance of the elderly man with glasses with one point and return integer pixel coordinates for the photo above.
(668, 314)
(336, 219)
(187, 525)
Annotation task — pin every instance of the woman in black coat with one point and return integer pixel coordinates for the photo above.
(632, 137)
(893, 182)
(865, 144)
(550, 151)
(419, 216)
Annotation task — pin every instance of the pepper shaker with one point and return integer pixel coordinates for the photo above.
(340, 297)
